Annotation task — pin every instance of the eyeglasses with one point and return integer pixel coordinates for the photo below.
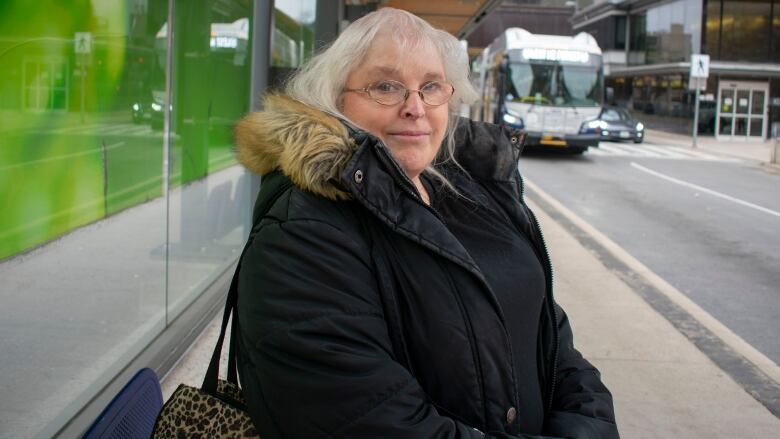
(389, 92)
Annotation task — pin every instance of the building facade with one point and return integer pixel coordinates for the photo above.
(647, 48)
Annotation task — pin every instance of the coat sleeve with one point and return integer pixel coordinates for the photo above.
(582, 405)
(315, 357)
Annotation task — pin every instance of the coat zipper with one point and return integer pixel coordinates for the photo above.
(473, 342)
(550, 301)
(407, 186)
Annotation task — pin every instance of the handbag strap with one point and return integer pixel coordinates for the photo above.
(212, 373)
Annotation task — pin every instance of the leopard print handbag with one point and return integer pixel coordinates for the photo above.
(217, 409)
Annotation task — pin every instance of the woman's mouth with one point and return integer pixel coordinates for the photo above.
(410, 134)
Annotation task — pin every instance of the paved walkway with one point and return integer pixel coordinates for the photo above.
(664, 386)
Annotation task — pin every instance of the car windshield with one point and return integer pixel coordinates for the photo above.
(556, 84)
(614, 115)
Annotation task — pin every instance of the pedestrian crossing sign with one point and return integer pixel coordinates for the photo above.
(700, 66)
(83, 41)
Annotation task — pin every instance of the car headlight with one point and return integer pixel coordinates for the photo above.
(639, 126)
(156, 106)
(597, 125)
(136, 107)
(512, 119)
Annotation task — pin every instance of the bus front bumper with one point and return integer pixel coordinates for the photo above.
(579, 142)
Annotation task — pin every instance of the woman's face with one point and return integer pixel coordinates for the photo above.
(412, 130)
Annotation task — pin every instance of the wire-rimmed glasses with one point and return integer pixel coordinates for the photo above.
(389, 92)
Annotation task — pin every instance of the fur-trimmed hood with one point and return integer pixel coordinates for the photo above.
(306, 144)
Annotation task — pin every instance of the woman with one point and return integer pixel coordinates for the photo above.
(396, 284)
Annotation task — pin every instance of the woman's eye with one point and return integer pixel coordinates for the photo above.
(432, 87)
(386, 87)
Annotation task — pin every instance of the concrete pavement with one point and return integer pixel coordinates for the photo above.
(663, 384)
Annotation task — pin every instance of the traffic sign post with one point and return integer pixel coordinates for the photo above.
(700, 69)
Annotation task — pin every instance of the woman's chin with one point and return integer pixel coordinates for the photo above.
(412, 160)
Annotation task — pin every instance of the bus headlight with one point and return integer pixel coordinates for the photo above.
(639, 126)
(512, 119)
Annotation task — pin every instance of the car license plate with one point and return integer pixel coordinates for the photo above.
(624, 134)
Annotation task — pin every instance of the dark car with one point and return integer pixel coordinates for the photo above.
(148, 111)
(618, 124)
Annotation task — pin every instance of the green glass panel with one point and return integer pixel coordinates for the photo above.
(70, 152)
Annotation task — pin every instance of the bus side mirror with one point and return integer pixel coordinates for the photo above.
(609, 95)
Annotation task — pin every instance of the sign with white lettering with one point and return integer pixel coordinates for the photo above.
(541, 54)
(700, 66)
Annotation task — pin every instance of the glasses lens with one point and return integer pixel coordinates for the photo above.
(387, 92)
(437, 93)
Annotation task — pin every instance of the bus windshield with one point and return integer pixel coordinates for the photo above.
(555, 84)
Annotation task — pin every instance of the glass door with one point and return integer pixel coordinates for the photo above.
(742, 110)
(757, 106)
(726, 122)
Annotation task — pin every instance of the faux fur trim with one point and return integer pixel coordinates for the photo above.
(307, 145)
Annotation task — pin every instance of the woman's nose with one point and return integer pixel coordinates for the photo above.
(413, 106)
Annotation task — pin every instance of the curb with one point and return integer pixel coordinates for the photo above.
(752, 370)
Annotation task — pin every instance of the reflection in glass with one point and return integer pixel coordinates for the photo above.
(666, 33)
(293, 39)
(725, 126)
(712, 29)
(757, 126)
(746, 29)
(743, 101)
(209, 196)
(80, 166)
(757, 103)
(740, 126)
(726, 101)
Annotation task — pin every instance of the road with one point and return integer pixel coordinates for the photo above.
(707, 225)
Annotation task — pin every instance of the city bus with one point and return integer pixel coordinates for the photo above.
(550, 86)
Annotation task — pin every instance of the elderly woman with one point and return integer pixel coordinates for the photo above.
(396, 284)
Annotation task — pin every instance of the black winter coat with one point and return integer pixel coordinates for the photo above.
(362, 316)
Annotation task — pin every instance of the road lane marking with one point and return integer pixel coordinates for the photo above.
(705, 190)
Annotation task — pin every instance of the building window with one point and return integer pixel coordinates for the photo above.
(746, 30)
(620, 32)
(712, 28)
(666, 33)
(743, 30)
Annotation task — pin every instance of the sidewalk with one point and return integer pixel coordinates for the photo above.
(663, 386)
(752, 151)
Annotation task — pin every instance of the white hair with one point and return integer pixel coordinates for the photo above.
(321, 81)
